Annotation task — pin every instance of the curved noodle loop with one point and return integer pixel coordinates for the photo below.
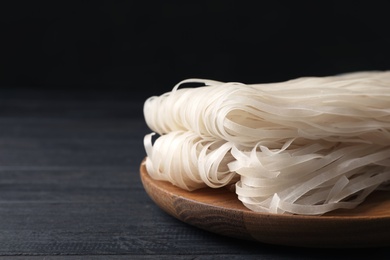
(188, 161)
(304, 146)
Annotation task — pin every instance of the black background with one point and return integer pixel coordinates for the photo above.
(143, 48)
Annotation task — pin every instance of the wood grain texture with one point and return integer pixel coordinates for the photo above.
(219, 211)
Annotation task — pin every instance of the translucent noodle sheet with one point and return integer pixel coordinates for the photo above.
(305, 146)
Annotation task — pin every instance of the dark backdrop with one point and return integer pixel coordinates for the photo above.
(145, 47)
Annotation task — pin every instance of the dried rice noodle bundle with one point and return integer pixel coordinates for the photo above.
(323, 178)
(188, 161)
(347, 108)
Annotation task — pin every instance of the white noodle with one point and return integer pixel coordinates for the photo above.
(188, 161)
(305, 146)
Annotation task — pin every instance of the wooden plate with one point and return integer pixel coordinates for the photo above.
(220, 211)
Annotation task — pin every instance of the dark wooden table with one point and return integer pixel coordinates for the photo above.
(70, 187)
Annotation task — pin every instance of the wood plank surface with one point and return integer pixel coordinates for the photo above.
(70, 187)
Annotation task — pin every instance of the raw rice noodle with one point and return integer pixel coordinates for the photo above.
(305, 146)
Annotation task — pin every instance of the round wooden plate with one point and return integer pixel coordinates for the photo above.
(220, 211)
